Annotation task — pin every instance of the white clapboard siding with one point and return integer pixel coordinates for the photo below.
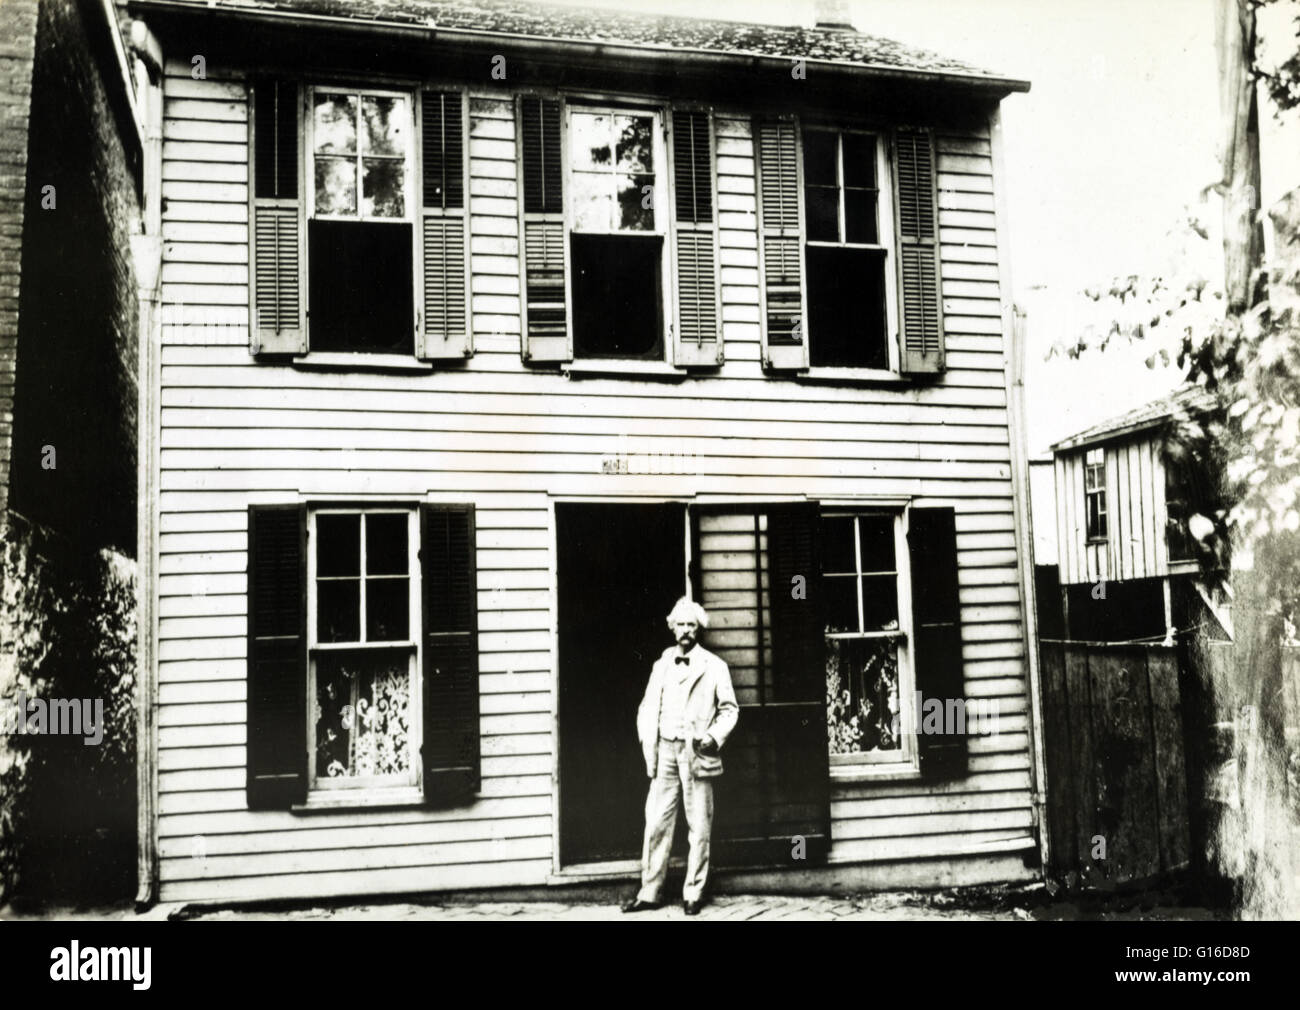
(237, 432)
(1135, 545)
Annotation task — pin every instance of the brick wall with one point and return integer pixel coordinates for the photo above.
(17, 48)
(75, 386)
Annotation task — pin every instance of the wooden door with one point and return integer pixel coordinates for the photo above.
(620, 568)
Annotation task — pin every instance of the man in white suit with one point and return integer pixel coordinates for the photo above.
(688, 711)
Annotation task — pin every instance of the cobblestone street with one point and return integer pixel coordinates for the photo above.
(968, 904)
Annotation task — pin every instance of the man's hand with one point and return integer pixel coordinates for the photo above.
(705, 745)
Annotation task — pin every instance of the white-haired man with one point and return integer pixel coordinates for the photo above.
(687, 713)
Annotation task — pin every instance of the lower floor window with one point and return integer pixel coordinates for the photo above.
(364, 712)
(866, 620)
(868, 676)
(863, 700)
(364, 717)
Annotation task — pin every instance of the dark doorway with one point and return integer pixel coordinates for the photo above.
(619, 569)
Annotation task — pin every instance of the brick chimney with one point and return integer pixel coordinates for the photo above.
(832, 14)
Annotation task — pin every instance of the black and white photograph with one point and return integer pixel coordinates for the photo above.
(650, 462)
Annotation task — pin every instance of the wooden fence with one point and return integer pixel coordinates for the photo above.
(1116, 780)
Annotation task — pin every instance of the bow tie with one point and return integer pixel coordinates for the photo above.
(679, 660)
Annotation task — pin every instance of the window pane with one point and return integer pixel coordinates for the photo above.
(841, 594)
(335, 127)
(593, 201)
(879, 603)
(336, 186)
(859, 160)
(360, 286)
(386, 547)
(338, 610)
(846, 307)
(860, 216)
(383, 188)
(822, 210)
(877, 537)
(819, 158)
(388, 610)
(384, 125)
(636, 202)
(617, 296)
(837, 544)
(635, 146)
(338, 545)
(589, 139)
(862, 703)
(363, 714)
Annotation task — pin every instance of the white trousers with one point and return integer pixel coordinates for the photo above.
(672, 780)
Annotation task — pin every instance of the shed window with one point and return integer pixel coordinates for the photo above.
(364, 723)
(846, 258)
(616, 233)
(1094, 489)
(868, 676)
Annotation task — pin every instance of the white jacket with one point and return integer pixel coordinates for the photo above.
(711, 708)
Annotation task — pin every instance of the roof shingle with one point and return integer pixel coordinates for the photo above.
(532, 19)
(1191, 399)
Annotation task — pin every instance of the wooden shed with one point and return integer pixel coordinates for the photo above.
(1120, 508)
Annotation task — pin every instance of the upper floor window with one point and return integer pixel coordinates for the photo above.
(1094, 490)
(615, 233)
(347, 253)
(846, 260)
(359, 228)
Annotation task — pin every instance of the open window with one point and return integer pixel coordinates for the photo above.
(616, 233)
(360, 234)
(352, 249)
(849, 248)
(847, 259)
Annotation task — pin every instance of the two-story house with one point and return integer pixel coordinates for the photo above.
(488, 330)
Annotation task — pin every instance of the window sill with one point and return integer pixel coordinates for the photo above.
(873, 376)
(623, 367)
(357, 799)
(362, 362)
(851, 774)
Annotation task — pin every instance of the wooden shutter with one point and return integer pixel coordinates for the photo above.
(277, 656)
(443, 330)
(277, 264)
(697, 340)
(918, 252)
(776, 785)
(936, 632)
(450, 628)
(781, 241)
(546, 318)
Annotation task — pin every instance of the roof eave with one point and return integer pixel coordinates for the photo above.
(1086, 439)
(996, 86)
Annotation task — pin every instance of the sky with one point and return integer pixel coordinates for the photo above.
(1105, 157)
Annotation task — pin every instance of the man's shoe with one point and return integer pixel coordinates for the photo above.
(637, 905)
(691, 907)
